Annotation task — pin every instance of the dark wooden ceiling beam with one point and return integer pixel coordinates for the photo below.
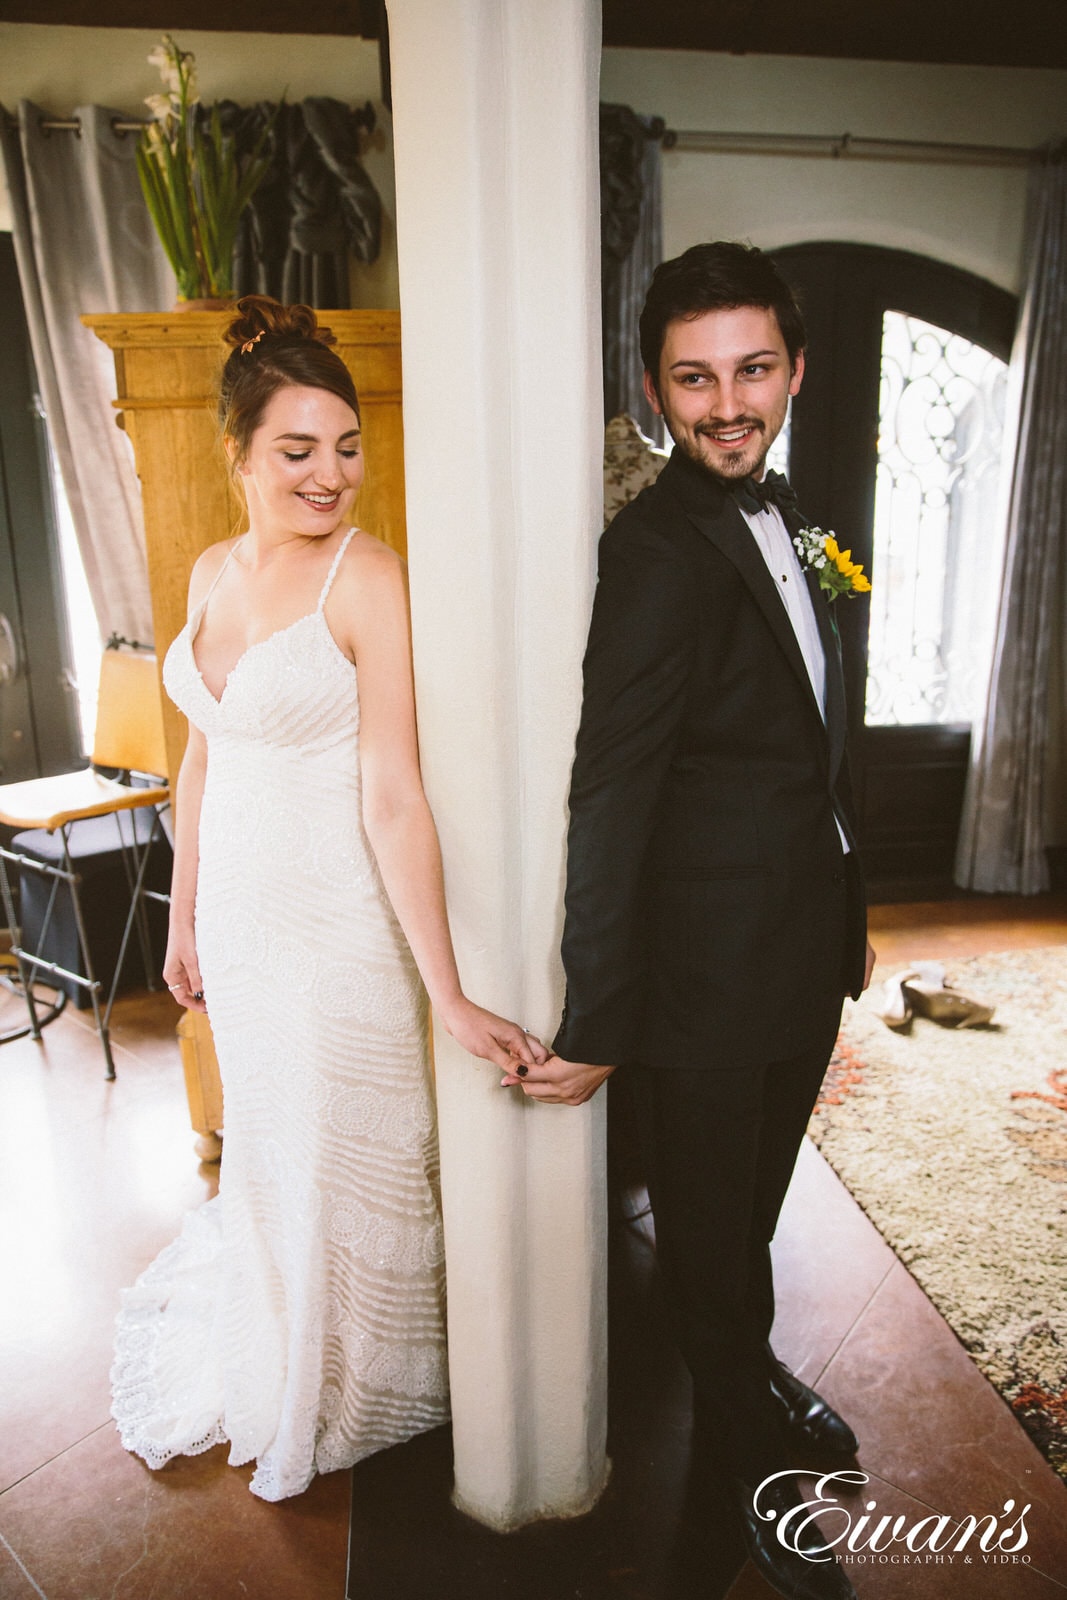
(339, 17)
(1028, 33)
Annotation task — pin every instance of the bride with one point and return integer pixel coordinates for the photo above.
(299, 1316)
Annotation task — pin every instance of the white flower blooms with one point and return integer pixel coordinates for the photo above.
(161, 107)
(811, 546)
(165, 58)
(172, 64)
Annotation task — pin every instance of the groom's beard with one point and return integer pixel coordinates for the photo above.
(724, 465)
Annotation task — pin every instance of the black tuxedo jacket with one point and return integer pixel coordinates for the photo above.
(712, 916)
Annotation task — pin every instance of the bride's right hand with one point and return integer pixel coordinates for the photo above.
(181, 970)
(484, 1034)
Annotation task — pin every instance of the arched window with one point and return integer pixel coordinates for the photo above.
(933, 608)
(894, 443)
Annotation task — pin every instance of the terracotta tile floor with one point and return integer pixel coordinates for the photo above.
(94, 1178)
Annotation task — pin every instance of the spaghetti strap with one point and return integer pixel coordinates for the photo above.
(331, 575)
(222, 568)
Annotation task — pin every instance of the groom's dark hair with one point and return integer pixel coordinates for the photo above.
(716, 277)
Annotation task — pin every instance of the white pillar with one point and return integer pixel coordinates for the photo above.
(495, 126)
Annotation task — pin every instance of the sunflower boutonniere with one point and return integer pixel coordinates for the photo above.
(835, 569)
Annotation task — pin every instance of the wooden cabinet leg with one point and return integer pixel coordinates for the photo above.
(203, 1086)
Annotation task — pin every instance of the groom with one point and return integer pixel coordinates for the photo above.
(715, 913)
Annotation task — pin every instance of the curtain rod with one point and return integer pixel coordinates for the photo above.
(831, 145)
(836, 146)
(124, 125)
(119, 125)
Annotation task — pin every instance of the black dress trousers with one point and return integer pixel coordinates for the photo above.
(719, 1149)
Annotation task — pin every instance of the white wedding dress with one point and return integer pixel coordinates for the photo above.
(299, 1315)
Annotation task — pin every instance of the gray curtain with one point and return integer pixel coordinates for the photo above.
(631, 247)
(1016, 801)
(84, 243)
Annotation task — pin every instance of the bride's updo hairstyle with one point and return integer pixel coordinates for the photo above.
(274, 347)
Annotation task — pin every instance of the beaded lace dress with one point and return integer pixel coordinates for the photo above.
(299, 1315)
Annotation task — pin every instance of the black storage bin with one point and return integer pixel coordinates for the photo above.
(105, 901)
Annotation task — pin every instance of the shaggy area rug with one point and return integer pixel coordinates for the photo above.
(955, 1145)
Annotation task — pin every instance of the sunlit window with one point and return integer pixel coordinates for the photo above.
(778, 454)
(81, 617)
(935, 572)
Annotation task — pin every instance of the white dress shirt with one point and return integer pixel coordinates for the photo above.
(778, 551)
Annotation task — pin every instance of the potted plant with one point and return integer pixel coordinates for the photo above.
(194, 182)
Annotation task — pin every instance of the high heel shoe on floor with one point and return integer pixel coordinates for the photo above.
(895, 1010)
(930, 996)
(922, 989)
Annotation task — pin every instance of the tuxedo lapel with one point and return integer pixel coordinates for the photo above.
(715, 513)
(836, 710)
(836, 718)
(733, 536)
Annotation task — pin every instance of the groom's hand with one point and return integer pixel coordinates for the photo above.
(559, 1082)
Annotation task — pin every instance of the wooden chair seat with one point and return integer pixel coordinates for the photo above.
(129, 739)
(49, 803)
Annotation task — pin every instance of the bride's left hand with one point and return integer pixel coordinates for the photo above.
(493, 1038)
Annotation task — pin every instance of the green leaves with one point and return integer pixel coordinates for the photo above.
(194, 183)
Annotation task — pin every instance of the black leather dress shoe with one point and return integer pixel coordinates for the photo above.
(813, 1575)
(806, 1417)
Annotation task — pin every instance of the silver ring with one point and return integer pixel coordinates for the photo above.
(173, 986)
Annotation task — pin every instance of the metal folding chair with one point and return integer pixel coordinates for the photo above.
(129, 738)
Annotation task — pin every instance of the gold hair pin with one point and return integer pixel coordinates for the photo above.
(246, 348)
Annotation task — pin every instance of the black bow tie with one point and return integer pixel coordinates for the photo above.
(754, 495)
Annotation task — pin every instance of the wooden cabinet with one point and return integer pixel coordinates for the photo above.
(167, 367)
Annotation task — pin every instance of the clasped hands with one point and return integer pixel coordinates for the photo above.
(527, 1064)
(571, 1083)
(555, 1081)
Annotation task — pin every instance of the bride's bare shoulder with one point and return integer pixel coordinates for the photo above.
(209, 563)
(368, 549)
(368, 602)
(370, 565)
